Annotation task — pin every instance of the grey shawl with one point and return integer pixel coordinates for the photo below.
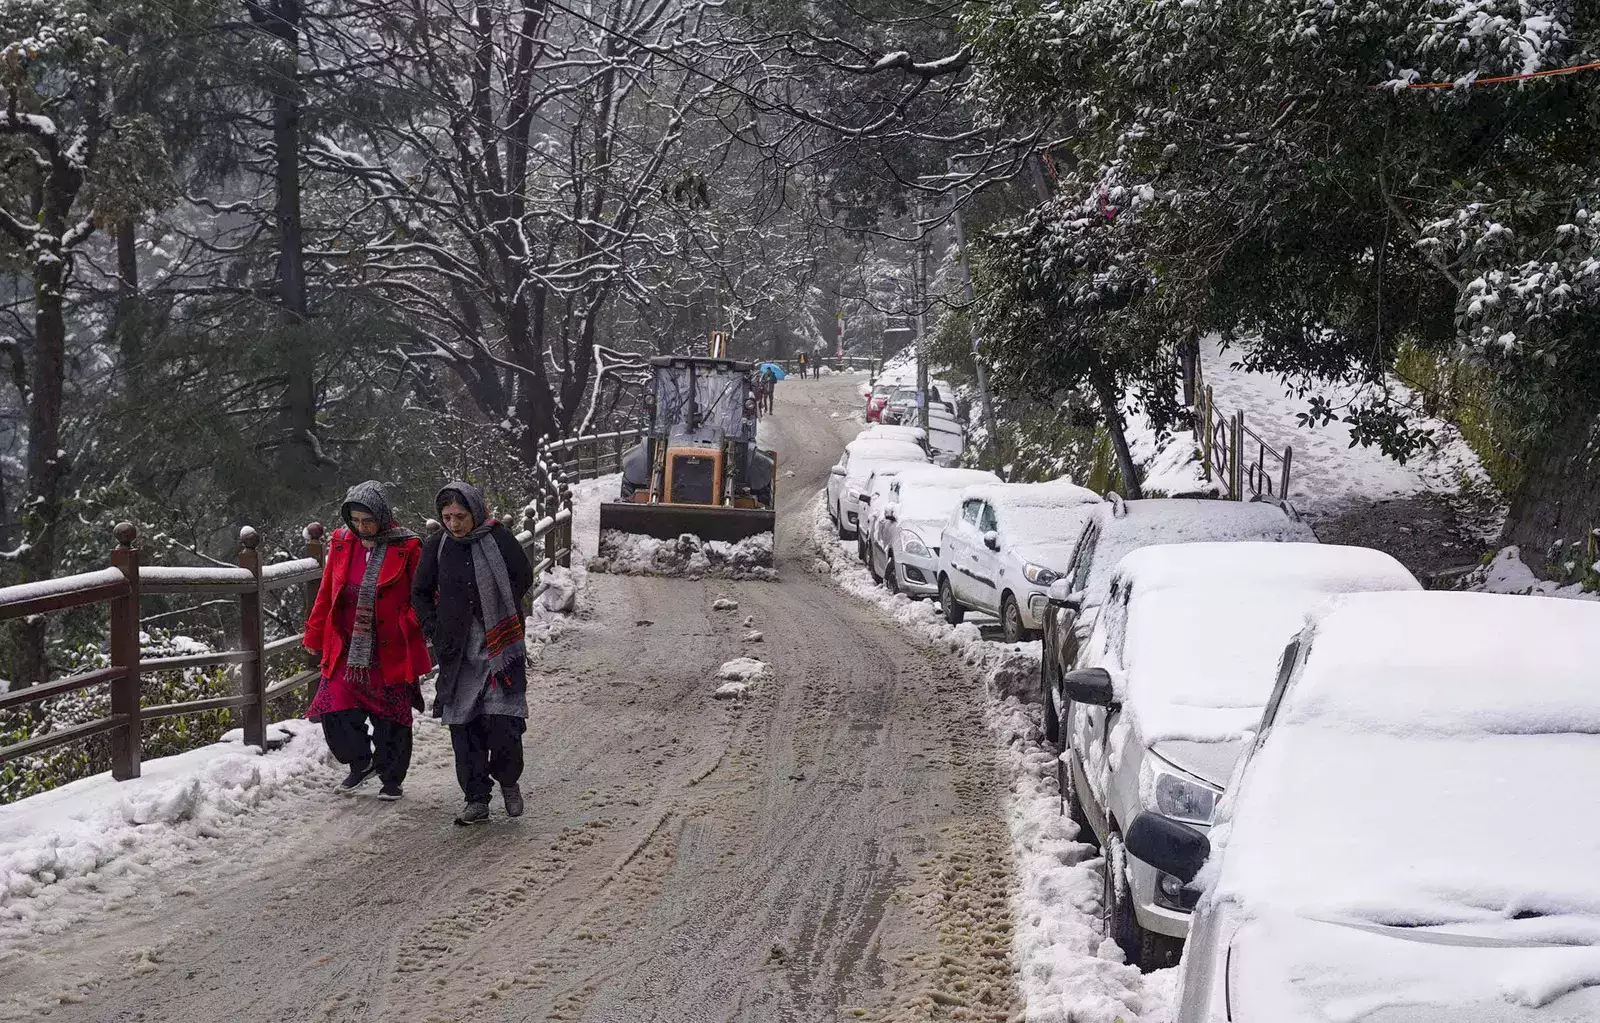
(502, 617)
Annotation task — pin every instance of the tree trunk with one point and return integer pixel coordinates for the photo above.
(301, 458)
(46, 460)
(129, 330)
(1119, 438)
(1559, 499)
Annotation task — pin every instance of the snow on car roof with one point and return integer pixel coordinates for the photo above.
(883, 449)
(930, 495)
(1329, 568)
(1054, 494)
(1169, 520)
(1417, 721)
(1207, 623)
(1458, 663)
(886, 432)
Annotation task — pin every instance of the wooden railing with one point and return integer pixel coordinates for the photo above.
(546, 536)
(584, 458)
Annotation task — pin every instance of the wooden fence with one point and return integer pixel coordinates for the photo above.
(1236, 455)
(546, 536)
(584, 458)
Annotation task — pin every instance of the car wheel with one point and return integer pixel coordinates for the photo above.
(1052, 721)
(839, 518)
(1011, 620)
(872, 568)
(1116, 901)
(1158, 951)
(954, 613)
(890, 579)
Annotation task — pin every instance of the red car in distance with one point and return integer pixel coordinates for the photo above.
(877, 399)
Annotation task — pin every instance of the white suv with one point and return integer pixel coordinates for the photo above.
(849, 476)
(1179, 667)
(1003, 547)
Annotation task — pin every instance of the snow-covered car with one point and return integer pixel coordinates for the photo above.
(874, 498)
(877, 397)
(1004, 545)
(1405, 841)
(905, 527)
(946, 439)
(914, 434)
(1175, 675)
(847, 478)
(902, 406)
(1120, 527)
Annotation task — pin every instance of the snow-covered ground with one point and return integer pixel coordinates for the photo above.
(1508, 574)
(687, 555)
(96, 841)
(1329, 476)
(1068, 971)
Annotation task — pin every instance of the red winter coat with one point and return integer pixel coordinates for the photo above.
(402, 651)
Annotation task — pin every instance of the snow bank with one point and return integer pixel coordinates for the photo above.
(1067, 970)
(99, 840)
(561, 585)
(1507, 573)
(587, 496)
(688, 556)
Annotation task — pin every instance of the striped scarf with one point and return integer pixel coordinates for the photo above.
(502, 618)
(359, 662)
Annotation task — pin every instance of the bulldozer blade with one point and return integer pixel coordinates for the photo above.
(670, 521)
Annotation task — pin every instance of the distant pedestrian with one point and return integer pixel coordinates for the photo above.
(769, 387)
(802, 362)
(468, 593)
(366, 639)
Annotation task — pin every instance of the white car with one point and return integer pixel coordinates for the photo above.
(1004, 546)
(1176, 673)
(914, 434)
(874, 497)
(847, 478)
(1407, 840)
(946, 439)
(1122, 526)
(905, 526)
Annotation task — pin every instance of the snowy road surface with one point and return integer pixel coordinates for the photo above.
(835, 841)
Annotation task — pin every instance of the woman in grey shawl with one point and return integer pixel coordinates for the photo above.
(468, 594)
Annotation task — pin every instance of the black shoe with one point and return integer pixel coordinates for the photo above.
(473, 813)
(356, 778)
(390, 791)
(513, 798)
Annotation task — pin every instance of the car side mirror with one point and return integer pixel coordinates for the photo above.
(1062, 593)
(1167, 845)
(837, 470)
(991, 540)
(866, 498)
(890, 516)
(1089, 685)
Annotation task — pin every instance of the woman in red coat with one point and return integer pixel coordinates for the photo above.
(369, 644)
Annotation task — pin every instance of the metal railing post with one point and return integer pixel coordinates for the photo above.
(1288, 459)
(252, 673)
(1205, 431)
(126, 688)
(1236, 456)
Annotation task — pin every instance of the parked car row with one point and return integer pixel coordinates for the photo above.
(1350, 797)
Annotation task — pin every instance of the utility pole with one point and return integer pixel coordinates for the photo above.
(919, 286)
(977, 359)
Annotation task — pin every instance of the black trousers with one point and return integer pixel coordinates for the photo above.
(389, 745)
(488, 749)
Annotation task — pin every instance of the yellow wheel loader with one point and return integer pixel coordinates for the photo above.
(699, 470)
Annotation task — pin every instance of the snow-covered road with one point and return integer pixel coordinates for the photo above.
(832, 845)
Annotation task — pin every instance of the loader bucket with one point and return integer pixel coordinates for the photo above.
(670, 521)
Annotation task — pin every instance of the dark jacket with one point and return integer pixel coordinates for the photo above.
(445, 593)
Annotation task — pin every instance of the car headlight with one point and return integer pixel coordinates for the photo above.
(914, 546)
(1171, 793)
(1038, 574)
(855, 495)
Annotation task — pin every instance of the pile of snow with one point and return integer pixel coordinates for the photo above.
(826, 371)
(1507, 573)
(688, 556)
(1169, 461)
(739, 674)
(97, 841)
(753, 636)
(724, 604)
(1068, 971)
(560, 589)
(587, 496)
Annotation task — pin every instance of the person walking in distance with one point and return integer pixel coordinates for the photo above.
(468, 593)
(365, 637)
